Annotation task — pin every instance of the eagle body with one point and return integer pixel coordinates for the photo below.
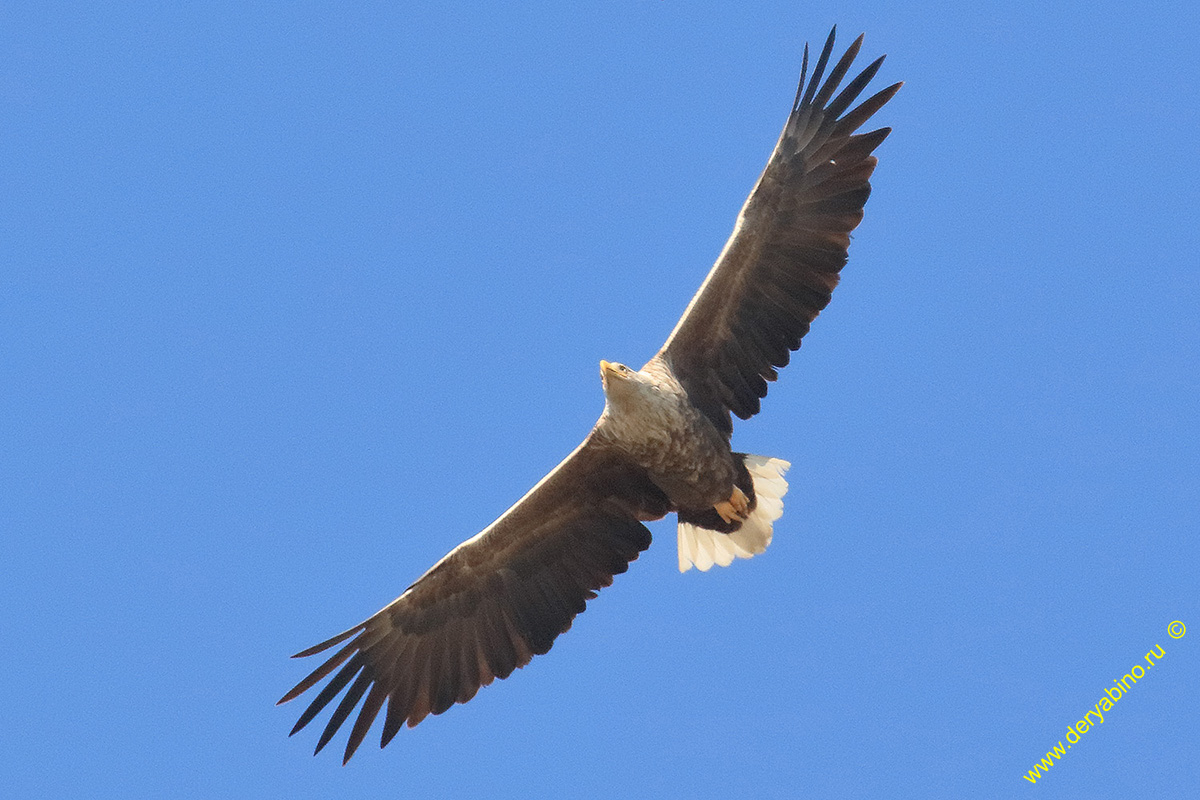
(662, 445)
(650, 420)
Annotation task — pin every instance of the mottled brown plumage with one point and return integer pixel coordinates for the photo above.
(662, 444)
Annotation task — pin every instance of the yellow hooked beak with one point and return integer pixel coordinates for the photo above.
(609, 369)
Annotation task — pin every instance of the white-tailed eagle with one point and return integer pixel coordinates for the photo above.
(662, 445)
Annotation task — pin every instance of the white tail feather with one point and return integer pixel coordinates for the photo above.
(703, 548)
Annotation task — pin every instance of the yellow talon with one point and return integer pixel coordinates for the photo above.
(735, 508)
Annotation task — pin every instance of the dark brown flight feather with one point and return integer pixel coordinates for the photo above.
(493, 602)
(780, 266)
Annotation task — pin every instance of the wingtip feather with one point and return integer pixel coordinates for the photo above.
(328, 643)
(819, 69)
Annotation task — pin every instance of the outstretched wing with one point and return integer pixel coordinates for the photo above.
(493, 602)
(779, 267)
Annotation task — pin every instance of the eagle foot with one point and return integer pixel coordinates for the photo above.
(736, 508)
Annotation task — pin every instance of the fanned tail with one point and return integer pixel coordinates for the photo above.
(702, 547)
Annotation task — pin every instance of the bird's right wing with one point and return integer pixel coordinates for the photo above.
(493, 602)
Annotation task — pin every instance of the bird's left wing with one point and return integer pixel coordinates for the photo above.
(493, 602)
(780, 265)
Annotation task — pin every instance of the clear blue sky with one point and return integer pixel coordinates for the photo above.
(295, 297)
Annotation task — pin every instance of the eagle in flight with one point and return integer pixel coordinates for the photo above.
(660, 446)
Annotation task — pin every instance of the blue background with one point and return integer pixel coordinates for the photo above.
(294, 297)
